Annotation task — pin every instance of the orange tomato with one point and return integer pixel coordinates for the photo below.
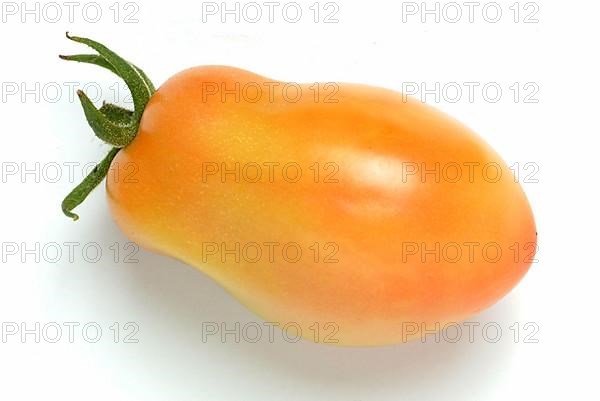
(347, 208)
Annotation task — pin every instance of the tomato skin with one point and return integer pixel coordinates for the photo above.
(366, 209)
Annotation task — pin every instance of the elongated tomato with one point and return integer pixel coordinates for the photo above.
(352, 208)
(347, 214)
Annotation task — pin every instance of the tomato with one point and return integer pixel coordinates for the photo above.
(343, 207)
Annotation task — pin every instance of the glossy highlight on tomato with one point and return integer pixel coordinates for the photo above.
(358, 208)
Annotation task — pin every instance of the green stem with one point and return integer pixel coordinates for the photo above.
(112, 124)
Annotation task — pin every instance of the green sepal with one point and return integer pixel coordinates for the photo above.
(81, 191)
(116, 134)
(112, 124)
(136, 80)
(98, 60)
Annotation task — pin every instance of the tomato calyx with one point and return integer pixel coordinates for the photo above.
(112, 124)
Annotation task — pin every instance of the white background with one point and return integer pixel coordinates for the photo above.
(169, 301)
